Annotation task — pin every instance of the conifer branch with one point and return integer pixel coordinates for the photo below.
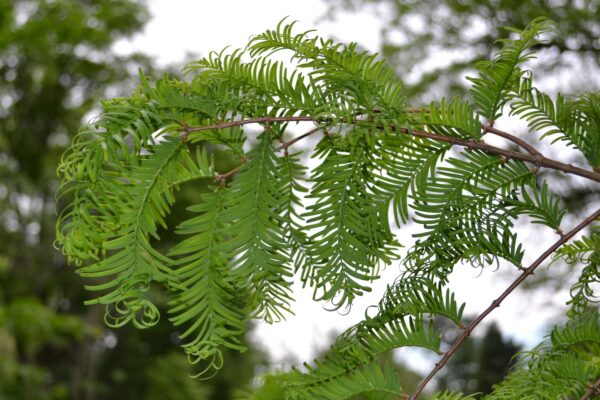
(238, 253)
(489, 128)
(496, 303)
(537, 159)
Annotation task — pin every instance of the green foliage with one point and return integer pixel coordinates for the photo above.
(562, 366)
(169, 380)
(462, 214)
(584, 251)
(350, 364)
(269, 216)
(351, 233)
(499, 76)
(208, 291)
(369, 378)
(572, 121)
(257, 247)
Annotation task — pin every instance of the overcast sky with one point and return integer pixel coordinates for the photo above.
(181, 27)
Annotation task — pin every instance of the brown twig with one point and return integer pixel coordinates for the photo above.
(592, 390)
(529, 148)
(290, 142)
(261, 120)
(538, 160)
(496, 303)
(221, 178)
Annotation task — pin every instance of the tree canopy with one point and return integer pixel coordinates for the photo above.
(271, 220)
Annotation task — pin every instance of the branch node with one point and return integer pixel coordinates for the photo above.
(220, 179)
(267, 125)
(186, 131)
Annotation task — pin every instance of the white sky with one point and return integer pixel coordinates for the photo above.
(181, 27)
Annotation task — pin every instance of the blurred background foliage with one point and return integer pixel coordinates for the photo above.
(56, 62)
(460, 32)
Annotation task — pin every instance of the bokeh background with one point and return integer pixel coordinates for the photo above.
(58, 58)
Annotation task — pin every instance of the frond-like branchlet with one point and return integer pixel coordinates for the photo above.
(586, 252)
(540, 204)
(206, 298)
(143, 197)
(351, 234)
(360, 80)
(416, 295)
(465, 213)
(563, 366)
(400, 322)
(449, 118)
(498, 77)
(371, 377)
(576, 121)
(292, 173)
(257, 248)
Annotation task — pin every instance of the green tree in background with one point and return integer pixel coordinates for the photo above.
(56, 61)
(465, 31)
(480, 363)
(494, 356)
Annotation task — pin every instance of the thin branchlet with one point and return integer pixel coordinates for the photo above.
(534, 157)
(496, 303)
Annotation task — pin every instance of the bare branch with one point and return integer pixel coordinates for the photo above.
(496, 303)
